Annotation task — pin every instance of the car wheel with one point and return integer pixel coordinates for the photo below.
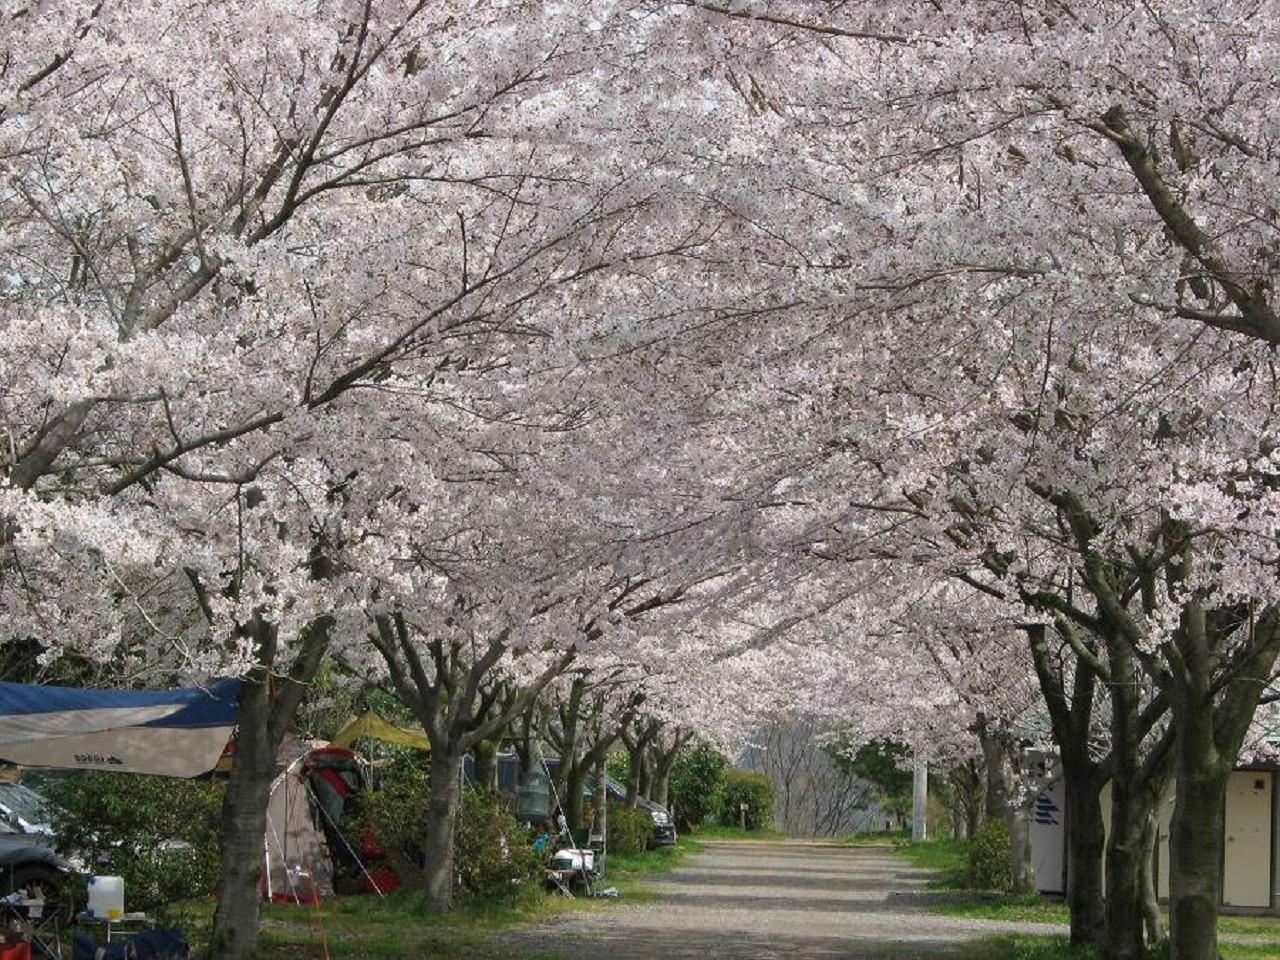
(58, 903)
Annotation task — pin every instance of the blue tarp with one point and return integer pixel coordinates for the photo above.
(177, 733)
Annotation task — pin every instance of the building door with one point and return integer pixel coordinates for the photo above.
(1246, 868)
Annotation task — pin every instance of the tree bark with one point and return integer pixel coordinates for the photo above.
(1070, 717)
(486, 761)
(601, 826)
(244, 825)
(263, 720)
(1022, 877)
(575, 788)
(664, 761)
(1150, 898)
(1086, 842)
(442, 817)
(635, 763)
(646, 775)
(1124, 939)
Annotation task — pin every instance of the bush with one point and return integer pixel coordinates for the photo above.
(753, 789)
(491, 850)
(987, 858)
(492, 856)
(396, 812)
(697, 781)
(160, 834)
(629, 830)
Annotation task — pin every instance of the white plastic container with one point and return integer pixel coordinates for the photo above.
(106, 898)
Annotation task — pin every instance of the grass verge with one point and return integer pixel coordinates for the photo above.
(398, 927)
(947, 858)
(1029, 947)
(718, 832)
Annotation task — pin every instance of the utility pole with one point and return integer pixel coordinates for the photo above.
(920, 802)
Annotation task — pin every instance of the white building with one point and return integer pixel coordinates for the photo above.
(1251, 857)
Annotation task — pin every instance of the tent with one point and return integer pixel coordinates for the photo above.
(171, 733)
(375, 728)
(296, 866)
(305, 846)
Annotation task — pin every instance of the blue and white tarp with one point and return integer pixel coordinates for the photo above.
(173, 733)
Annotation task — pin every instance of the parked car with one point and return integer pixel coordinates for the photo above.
(664, 828)
(28, 860)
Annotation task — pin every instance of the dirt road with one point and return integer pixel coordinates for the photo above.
(760, 901)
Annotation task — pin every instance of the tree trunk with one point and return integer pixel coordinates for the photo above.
(1195, 850)
(485, 754)
(996, 764)
(1022, 877)
(662, 788)
(602, 801)
(573, 799)
(1129, 810)
(1150, 899)
(263, 720)
(1124, 939)
(635, 768)
(442, 817)
(646, 775)
(1086, 842)
(244, 825)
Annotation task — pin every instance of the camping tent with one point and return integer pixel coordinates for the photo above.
(172, 733)
(296, 864)
(305, 845)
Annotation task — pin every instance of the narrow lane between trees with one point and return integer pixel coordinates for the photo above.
(763, 900)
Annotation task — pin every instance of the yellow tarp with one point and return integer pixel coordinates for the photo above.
(375, 728)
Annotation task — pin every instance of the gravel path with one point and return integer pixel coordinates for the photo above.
(761, 901)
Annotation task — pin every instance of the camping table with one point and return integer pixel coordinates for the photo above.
(125, 923)
(29, 915)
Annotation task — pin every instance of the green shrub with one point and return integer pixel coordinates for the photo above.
(396, 812)
(987, 857)
(492, 855)
(160, 834)
(629, 830)
(491, 851)
(697, 781)
(753, 789)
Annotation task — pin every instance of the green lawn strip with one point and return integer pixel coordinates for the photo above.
(717, 832)
(945, 857)
(398, 926)
(1250, 926)
(894, 838)
(1015, 908)
(1033, 908)
(1035, 947)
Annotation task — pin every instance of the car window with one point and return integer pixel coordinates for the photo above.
(24, 803)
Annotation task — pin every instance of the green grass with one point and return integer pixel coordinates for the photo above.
(892, 838)
(398, 926)
(718, 832)
(948, 859)
(1028, 947)
(945, 857)
(1250, 926)
(1033, 908)
(393, 927)
(1014, 907)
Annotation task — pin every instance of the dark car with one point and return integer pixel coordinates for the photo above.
(664, 828)
(28, 861)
